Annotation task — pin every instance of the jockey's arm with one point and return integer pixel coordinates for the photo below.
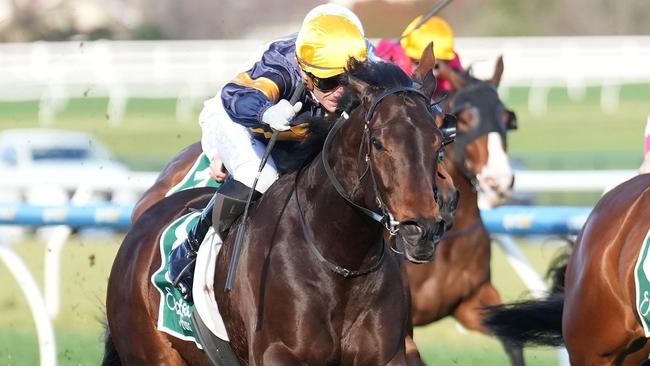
(249, 94)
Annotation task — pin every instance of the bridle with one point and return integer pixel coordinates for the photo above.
(385, 218)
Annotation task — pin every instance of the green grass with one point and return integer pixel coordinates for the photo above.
(578, 135)
(85, 269)
(571, 135)
(146, 139)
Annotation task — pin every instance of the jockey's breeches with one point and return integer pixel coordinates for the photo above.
(239, 151)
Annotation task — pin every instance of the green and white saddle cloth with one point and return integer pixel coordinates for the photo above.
(174, 313)
(642, 281)
(198, 176)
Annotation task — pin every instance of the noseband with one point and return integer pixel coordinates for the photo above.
(385, 217)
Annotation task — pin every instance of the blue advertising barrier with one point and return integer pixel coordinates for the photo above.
(100, 215)
(513, 220)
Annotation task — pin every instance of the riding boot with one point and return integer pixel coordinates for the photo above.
(224, 208)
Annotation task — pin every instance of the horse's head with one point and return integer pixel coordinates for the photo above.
(395, 147)
(483, 121)
(447, 191)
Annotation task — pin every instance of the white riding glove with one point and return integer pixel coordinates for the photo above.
(279, 115)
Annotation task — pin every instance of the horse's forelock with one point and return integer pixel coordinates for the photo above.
(378, 75)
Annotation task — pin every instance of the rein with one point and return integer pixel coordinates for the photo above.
(457, 234)
(339, 270)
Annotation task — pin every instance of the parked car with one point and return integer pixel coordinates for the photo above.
(49, 155)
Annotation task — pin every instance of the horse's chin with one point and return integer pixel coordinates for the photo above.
(419, 253)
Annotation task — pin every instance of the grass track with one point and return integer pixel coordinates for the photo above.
(86, 265)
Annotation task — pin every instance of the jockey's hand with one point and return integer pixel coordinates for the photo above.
(279, 115)
(217, 169)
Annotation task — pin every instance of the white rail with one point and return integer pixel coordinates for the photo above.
(53, 72)
(44, 328)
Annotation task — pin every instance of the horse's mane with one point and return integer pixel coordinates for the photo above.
(379, 75)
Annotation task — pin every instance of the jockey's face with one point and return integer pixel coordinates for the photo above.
(329, 99)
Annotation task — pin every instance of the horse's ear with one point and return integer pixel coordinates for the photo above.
(428, 84)
(360, 88)
(498, 71)
(427, 62)
(448, 73)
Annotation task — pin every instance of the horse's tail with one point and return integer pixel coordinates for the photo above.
(533, 322)
(111, 358)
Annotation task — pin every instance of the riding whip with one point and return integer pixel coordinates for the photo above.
(236, 250)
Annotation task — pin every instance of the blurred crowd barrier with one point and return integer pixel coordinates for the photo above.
(191, 71)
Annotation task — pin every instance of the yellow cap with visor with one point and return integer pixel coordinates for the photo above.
(326, 42)
(435, 30)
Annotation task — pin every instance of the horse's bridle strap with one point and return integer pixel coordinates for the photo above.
(383, 218)
(342, 271)
(387, 92)
(335, 182)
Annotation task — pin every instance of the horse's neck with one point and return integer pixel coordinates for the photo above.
(468, 211)
(342, 233)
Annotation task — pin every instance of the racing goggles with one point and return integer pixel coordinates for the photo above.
(326, 84)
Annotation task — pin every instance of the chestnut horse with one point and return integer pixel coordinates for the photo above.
(316, 284)
(458, 282)
(595, 313)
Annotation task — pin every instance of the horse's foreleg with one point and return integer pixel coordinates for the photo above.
(412, 353)
(469, 314)
(276, 354)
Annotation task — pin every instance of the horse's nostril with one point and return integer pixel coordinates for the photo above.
(411, 232)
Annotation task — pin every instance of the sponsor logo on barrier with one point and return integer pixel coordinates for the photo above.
(518, 221)
(8, 213)
(109, 215)
(55, 214)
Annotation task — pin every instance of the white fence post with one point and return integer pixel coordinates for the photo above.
(53, 248)
(44, 329)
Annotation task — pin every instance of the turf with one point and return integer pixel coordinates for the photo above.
(85, 267)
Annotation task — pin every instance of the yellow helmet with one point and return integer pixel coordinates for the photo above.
(326, 42)
(435, 30)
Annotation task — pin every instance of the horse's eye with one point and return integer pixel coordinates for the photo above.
(377, 144)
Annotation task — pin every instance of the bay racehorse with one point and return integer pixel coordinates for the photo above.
(458, 282)
(595, 313)
(476, 165)
(316, 283)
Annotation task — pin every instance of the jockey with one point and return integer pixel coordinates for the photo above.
(238, 122)
(436, 30)
(406, 51)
